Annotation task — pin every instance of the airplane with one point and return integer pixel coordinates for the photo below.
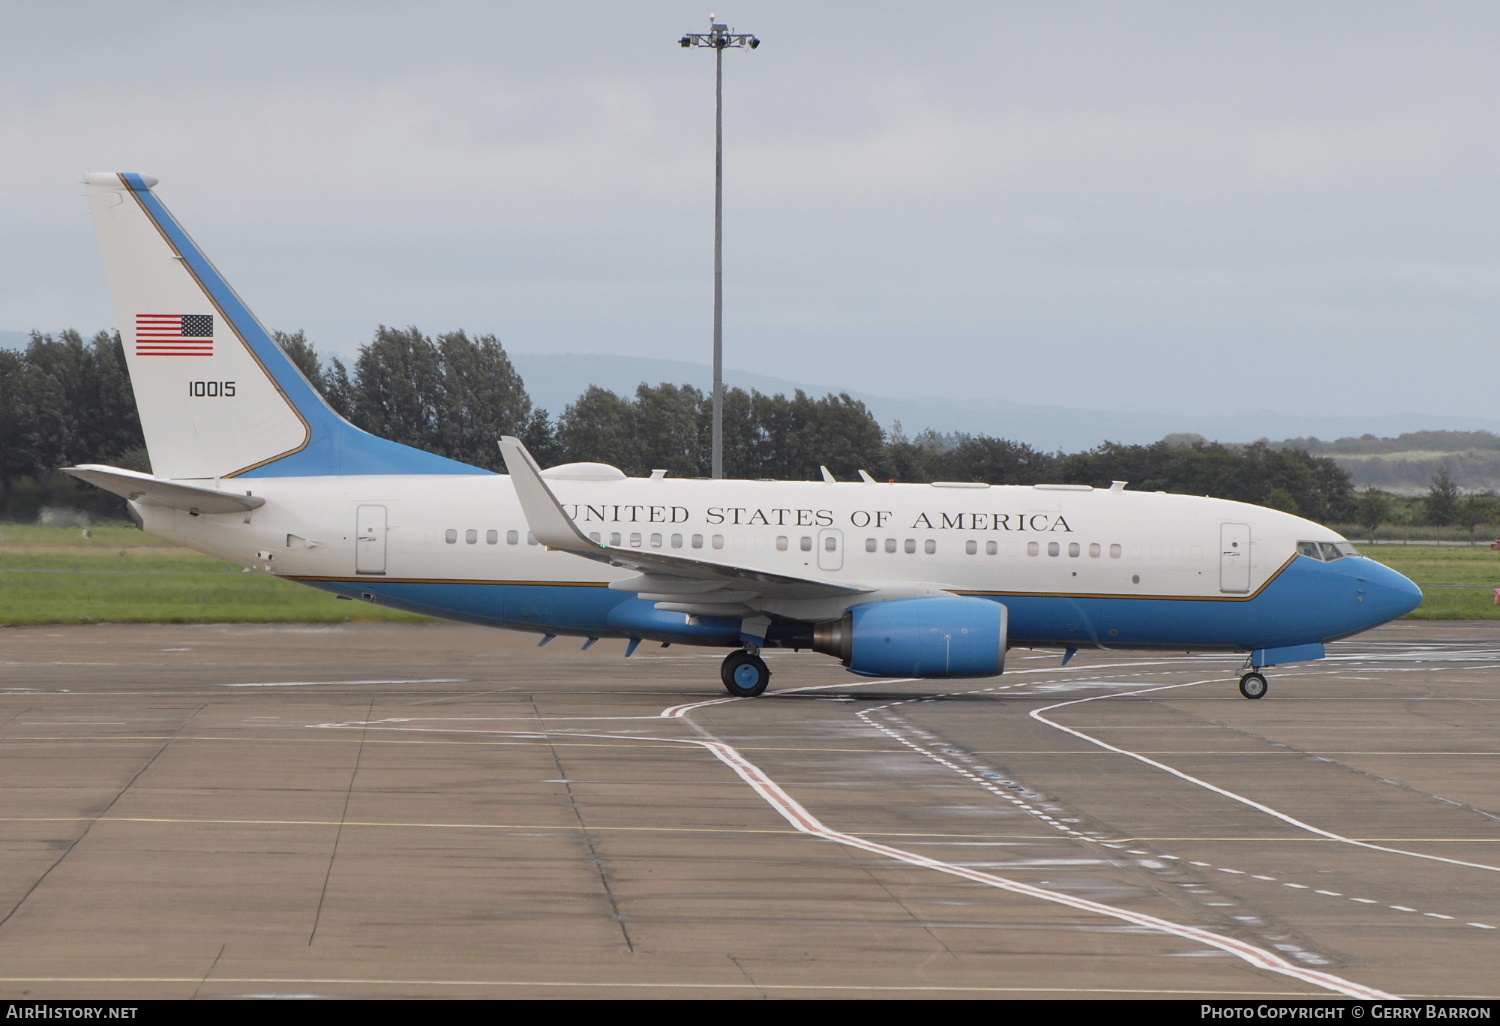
(939, 580)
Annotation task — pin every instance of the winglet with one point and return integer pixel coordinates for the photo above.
(544, 514)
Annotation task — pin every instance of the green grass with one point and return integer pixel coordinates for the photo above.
(1458, 583)
(103, 536)
(1431, 565)
(56, 575)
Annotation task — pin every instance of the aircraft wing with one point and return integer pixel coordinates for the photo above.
(154, 491)
(677, 583)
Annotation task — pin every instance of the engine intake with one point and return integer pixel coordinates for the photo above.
(942, 636)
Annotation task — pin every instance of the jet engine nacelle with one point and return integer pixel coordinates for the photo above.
(942, 636)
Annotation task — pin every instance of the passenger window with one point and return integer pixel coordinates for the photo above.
(594, 537)
(635, 540)
(676, 541)
(493, 537)
(806, 544)
(1094, 550)
(718, 541)
(471, 537)
(530, 538)
(1115, 551)
(871, 545)
(450, 536)
(1074, 550)
(1032, 548)
(929, 546)
(697, 541)
(614, 539)
(656, 541)
(830, 544)
(990, 548)
(890, 545)
(512, 537)
(911, 545)
(781, 543)
(971, 547)
(1054, 549)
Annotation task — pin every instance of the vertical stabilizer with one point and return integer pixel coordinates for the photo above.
(217, 396)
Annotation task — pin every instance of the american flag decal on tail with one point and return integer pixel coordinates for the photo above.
(174, 334)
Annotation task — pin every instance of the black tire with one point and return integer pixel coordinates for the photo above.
(744, 675)
(1253, 685)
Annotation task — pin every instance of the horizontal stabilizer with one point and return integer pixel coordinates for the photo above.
(153, 491)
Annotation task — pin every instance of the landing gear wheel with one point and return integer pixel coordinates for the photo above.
(1253, 685)
(744, 675)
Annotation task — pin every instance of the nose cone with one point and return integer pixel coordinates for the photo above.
(1386, 593)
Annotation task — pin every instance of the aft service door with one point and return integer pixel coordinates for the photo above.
(1234, 559)
(369, 540)
(830, 549)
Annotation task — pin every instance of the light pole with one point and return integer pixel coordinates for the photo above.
(718, 38)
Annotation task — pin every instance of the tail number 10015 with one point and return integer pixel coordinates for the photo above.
(211, 389)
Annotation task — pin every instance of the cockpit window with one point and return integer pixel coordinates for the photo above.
(1326, 551)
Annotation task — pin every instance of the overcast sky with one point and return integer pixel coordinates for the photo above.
(1207, 206)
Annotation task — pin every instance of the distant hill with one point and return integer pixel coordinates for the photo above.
(1407, 463)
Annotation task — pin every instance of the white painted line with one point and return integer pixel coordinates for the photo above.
(1482, 926)
(1036, 714)
(798, 816)
(801, 819)
(804, 821)
(325, 683)
(1331, 894)
(677, 712)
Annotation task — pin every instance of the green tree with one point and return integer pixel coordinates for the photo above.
(599, 427)
(1441, 506)
(1473, 510)
(1280, 498)
(669, 434)
(996, 461)
(397, 388)
(13, 460)
(482, 398)
(1372, 509)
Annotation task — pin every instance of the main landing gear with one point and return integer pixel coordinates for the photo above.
(745, 674)
(1253, 684)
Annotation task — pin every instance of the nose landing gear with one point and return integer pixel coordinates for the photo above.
(1253, 685)
(745, 673)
